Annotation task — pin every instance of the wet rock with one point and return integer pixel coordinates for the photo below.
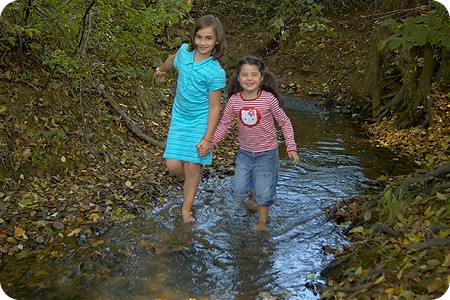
(81, 239)
(40, 239)
(58, 225)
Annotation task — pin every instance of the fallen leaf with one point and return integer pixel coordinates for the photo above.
(358, 229)
(435, 285)
(75, 231)
(379, 280)
(19, 232)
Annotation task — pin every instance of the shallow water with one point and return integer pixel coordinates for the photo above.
(156, 257)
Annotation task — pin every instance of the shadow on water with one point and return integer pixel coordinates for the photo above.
(156, 257)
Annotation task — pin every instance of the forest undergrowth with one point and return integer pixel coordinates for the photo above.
(70, 168)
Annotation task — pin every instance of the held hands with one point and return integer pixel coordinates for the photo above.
(204, 147)
(294, 156)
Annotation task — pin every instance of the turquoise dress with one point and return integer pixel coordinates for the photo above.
(191, 105)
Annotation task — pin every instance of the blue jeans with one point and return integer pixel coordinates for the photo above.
(258, 171)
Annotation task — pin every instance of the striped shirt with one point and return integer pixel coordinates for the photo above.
(256, 123)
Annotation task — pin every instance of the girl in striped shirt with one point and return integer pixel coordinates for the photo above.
(254, 99)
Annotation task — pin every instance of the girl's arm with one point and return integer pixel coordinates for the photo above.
(287, 129)
(224, 124)
(166, 66)
(213, 118)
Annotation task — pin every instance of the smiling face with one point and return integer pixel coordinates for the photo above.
(250, 80)
(205, 40)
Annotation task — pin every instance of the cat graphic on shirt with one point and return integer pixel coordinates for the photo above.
(250, 116)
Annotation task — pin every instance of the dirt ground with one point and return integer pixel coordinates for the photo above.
(308, 74)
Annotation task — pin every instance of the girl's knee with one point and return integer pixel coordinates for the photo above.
(174, 167)
(191, 169)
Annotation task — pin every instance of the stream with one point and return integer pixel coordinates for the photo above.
(157, 257)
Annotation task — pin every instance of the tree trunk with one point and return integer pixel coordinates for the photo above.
(443, 73)
(425, 79)
(407, 64)
(364, 84)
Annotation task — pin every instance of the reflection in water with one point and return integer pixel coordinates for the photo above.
(220, 257)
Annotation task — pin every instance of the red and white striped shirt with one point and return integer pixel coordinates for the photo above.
(256, 123)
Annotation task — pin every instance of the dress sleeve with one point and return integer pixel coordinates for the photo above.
(219, 81)
(179, 55)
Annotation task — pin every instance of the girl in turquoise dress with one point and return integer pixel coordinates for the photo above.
(196, 107)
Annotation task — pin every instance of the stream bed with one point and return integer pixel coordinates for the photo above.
(157, 257)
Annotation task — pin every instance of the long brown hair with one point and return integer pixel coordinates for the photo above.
(268, 83)
(214, 22)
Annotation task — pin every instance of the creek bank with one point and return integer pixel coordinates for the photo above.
(45, 212)
(400, 241)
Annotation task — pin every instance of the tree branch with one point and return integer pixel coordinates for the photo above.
(130, 124)
(83, 23)
(330, 94)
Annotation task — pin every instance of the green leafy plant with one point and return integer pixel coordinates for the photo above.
(305, 16)
(434, 28)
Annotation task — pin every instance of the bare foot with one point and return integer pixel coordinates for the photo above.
(260, 226)
(188, 218)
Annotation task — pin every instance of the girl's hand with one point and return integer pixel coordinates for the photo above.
(159, 76)
(204, 147)
(294, 156)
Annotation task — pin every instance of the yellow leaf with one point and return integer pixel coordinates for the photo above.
(429, 212)
(18, 232)
(379, 280)
(444, 233)
(358, 229)
(97, 242)
(94, 217)
(408, 266)
(359, 271)
(415, 239)
(75, 231)
(393, 240)
(446, 262)
(400, 274)
(390, 291)
(435, 285)
(441, 196)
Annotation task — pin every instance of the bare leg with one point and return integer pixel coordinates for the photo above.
(191, 174)
(176, 167)
(191, 182)
(251, 204)
(263, 216)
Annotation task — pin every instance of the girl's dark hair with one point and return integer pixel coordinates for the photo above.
(268, 83)
(214, 22)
